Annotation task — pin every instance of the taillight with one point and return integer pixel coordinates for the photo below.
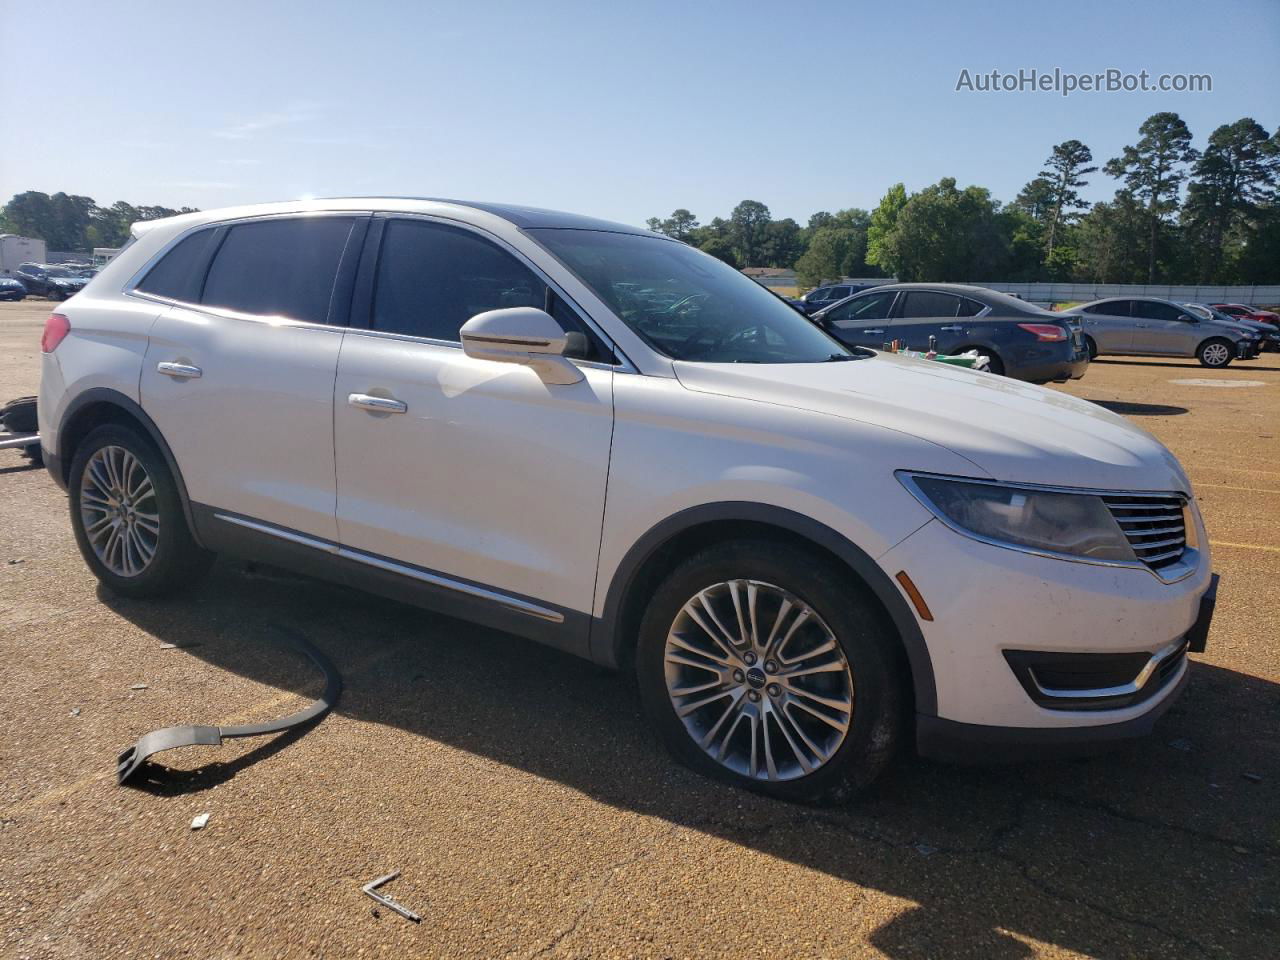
(1045, 332)
(56, 329)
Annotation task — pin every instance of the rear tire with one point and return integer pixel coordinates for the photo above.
(800, 714)
(128, 518)
(1092, 347)
(1215, 353)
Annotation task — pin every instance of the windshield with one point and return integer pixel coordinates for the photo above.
(686, 304)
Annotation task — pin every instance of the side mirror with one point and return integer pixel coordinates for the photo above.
(524, 335)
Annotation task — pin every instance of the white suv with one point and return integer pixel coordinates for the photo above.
(609, 442)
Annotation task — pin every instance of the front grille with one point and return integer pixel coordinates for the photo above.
(1154, 525)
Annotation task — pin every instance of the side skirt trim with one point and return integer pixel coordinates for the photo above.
(391, 566)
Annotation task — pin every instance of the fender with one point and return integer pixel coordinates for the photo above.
(607, 643)
(59, 462)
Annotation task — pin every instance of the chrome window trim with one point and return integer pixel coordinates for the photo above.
(623, 360)
(1185, 567)
(623, 366)
(381, 563)
(130, 287)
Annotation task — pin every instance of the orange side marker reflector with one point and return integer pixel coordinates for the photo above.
(922, 608)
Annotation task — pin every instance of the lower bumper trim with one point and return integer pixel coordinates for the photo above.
(951, 740)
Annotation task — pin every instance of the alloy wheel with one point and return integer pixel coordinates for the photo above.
(759, 681)
(119, 511)
(1216, 354)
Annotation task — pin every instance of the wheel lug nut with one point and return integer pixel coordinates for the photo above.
(739, 676)
(770, 667)
(774, 690)
(750, 659)
(753, 696)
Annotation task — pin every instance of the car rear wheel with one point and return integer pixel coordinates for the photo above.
(1092, 346)
(127, 516)
(760, 665)
(1214, 353)
(994, 363)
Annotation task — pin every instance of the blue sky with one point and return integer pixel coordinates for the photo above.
(619, 110)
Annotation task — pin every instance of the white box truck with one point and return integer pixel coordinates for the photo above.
(16, 250)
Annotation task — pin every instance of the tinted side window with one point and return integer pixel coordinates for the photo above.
(281, 268)
(433, 278)
(819, 295)
(922, 303)
(180, 273)
(839, 293)
(969, 308)
(1115, 308)
(1155, 311)
(872, 307)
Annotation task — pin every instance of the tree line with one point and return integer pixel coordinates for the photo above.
(74, 223)
(1179, 214)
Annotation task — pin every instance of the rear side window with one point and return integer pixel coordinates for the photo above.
(969, 308)
(839, 293)
(1150, 310)
(1114, 308)
(923, 303)
(284, 268)
(179, 275)
(433, 278)
(872, 307)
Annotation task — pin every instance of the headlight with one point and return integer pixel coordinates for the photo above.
(1075, 524)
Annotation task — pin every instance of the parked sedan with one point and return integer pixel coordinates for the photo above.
(1240, 312)
(1269, 335)
(824, 297)
(1150, 327)
(1018, 339)
(11, 289)
(47, 280)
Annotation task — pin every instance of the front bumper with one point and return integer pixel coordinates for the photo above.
(941, 739)
(987, 601)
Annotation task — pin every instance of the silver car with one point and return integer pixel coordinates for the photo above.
(1148, 326)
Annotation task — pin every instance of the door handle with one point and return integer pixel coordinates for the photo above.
(952, 328)
(179, 371)
(875, 330)
(377, 404)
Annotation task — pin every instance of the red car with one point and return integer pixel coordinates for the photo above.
(1248, 313)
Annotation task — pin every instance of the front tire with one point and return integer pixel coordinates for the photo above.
(1092, 346)
(127, 516)
(764, 665)
(1215, 353)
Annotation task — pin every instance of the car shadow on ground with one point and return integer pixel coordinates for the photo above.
(1168, 848)
(1131, 409)
(1263, 364)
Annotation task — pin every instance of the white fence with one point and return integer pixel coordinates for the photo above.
(1079, 292)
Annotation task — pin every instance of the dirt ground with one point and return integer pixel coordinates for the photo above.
(532, 814)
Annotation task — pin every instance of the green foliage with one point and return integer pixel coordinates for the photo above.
(68, 222)
(680, 225)
(748, 224)
(1153, 171)
(884, 219)
(946, 234)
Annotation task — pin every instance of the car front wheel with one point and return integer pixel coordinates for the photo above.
(761, 664)
(1214, 353)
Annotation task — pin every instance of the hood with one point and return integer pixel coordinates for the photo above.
(1008, 429)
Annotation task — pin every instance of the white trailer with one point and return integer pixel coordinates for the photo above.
(15, 250)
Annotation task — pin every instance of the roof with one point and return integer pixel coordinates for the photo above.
(525, 218)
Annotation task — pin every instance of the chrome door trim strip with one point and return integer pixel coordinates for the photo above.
(371, 560)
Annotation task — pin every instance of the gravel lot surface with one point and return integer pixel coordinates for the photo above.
(533, 815)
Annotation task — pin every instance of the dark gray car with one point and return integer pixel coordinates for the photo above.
(1151, 327)
(1018, 339)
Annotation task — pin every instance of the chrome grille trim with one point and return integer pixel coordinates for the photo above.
(1152, 523)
